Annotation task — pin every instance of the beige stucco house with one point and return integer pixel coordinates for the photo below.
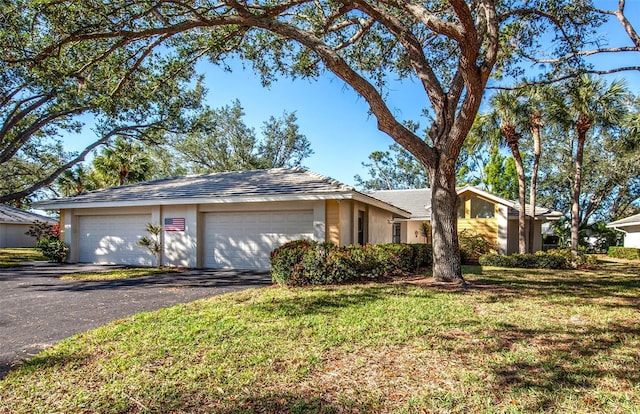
(221, 220)
(479, 212)
(235, 219)
(14, 224)
(630, 226)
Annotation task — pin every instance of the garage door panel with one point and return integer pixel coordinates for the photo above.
(113, 240)
(245, 240)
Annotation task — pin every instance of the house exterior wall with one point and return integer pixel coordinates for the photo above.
(513, 235)
(180, 248)
(346, 222)
(332, 210)
(379, 226)
(413, 232)
(487, 227)
(537, 236)
(13, 235)
(632, 238)
(502, 221)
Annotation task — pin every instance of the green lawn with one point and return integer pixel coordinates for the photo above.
(117, 274)
(10, 257)
(518, 341)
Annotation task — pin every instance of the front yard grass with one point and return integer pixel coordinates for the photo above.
(517, 341)
(117, 274)
(10, 257)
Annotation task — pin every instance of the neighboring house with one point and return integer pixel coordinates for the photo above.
(630, 226)
(479, 212)
(221, 220)
(14, 224)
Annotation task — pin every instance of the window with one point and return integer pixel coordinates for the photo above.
(395, 233)
(481, 208)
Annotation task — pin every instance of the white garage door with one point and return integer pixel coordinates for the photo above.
(113, 240)
(245, 240)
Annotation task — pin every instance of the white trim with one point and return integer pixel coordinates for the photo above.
(628, 224)
(487, 195)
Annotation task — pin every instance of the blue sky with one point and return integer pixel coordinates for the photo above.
(335, 119)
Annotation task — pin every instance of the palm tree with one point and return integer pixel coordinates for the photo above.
(584, 104)
(534, 105)
(76, 181)
(123, 162)
(508, 111)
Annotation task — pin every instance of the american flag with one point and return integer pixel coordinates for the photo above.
(174, 224)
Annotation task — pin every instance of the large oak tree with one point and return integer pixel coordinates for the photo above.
(78, 90)
(449, 48)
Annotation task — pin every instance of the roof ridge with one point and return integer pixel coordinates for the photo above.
(326, 179)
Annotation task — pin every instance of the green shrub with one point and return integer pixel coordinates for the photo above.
(583, 259)
(395, 258)
(619, 252)
(306, 262)
(423, 254)
(53, 249)
(540, 260)
(286, 259)
(473, 245)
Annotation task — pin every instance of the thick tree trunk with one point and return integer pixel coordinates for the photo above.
(522, 242)
(534, 184)
(447, 265)
(575, 197)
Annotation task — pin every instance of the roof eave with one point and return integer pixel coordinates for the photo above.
(340, 195)
(615, 225)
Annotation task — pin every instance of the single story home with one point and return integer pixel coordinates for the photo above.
(479, 212)
(14, 224)
(220, 220)
(235, 219)
(630, 226)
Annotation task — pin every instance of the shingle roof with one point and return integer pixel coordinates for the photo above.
(540, 211)
(14, 215)
(276, 184)
(275, 181)
(628, 221)
(416, 201)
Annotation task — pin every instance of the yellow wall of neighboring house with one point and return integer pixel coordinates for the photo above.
(487, 227)
(333, 221)
(61, 224)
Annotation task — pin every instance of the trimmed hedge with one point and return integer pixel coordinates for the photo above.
(539, 260)
(307, 262)
(619, 252)
(551, 259)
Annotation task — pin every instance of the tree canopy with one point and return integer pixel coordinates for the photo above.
(44, 95)
(223, 142)
(449, 48)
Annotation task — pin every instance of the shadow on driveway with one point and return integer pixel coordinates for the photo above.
(38, 309)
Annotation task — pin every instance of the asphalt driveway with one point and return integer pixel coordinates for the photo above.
(37, 309)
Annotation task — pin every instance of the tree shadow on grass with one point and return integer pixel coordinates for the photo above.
(43, 361)
(574, 361)
(327, 304)
(619, 286)
(281, 403)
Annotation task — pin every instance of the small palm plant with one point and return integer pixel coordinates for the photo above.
(153, 241)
